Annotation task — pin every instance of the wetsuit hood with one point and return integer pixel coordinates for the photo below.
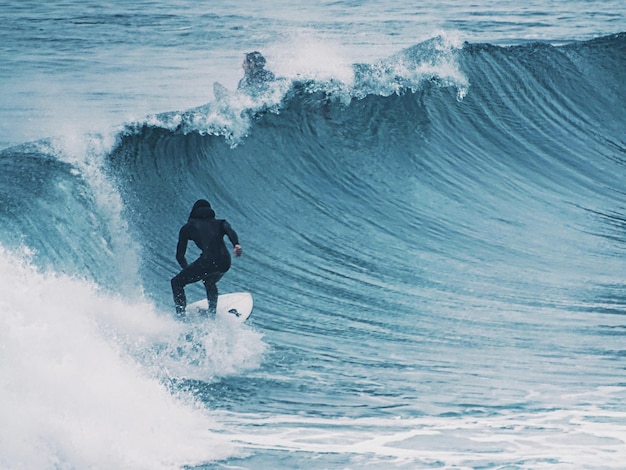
(202, 210)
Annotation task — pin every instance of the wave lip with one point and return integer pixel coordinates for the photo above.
(232, 113)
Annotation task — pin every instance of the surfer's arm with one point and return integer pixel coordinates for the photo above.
(234, 239)
(181, 247)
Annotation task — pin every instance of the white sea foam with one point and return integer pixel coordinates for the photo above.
(81, 386)
(582, 437)
(87, 153)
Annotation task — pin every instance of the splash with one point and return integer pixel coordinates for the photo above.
(75, 387)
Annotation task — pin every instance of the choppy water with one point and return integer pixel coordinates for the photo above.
(431, 204)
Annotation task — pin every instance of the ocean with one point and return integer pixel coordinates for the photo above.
(431, 200)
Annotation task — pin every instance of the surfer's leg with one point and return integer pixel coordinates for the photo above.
(211, 295)
(192, 273)
(210, 284)
(178, 289)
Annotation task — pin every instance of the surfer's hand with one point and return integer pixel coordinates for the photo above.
(238, 250)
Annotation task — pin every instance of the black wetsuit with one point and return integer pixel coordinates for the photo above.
(207, 233)
(256, 81)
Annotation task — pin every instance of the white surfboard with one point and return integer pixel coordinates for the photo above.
(235, 307)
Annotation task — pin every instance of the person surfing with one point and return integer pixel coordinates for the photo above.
(256, 78)
(207, 233)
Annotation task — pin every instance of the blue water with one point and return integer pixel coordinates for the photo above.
(431, 202)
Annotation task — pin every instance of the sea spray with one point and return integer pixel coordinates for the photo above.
(74, 394)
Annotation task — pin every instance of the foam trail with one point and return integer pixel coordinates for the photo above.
(70, 397)
(519, 440)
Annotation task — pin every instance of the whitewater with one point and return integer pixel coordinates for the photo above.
(431, 203)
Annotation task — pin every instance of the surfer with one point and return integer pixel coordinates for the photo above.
(207, 233)
(256, 77)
